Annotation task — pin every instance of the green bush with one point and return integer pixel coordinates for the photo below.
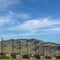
(4, 57)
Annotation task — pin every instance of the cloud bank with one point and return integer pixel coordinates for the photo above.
(35, 25)
(7, 3)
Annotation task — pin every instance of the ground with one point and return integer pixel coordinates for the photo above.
(25, 59)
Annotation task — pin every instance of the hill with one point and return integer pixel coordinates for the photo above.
(29, 46)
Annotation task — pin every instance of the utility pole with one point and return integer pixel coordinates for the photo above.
(2, 45)
(54, 49)
(50, 50)
(27, 48)
(20, 51)
(43, 50)
(12, 46)
(35, 47)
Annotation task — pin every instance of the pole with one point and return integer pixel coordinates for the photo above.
(20, 51)
(2, 47)
(12, 46)
(35, 47)
(27, 48)
(43, 50)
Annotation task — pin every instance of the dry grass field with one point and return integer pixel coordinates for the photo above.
(29, 59)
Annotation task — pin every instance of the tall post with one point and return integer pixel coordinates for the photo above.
(43, 51)
(12, 46)
(20, 51)
(27, 47)
(2, 54)
(43, 55)
(35, 47)
(39, 49)
(54, 49)
(50, 50)
(2, 45)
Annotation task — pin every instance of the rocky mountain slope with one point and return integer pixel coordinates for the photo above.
(29, 46)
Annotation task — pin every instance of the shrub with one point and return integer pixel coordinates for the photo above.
(57, 57)
(26, 56)
(4, 57)
(37, 56)
(48, 57)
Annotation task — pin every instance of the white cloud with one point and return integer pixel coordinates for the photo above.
(10, 18)
(6, 3)
(30, 27)
(53, 29)
(20, 15)
(35, 25)
(4, 20)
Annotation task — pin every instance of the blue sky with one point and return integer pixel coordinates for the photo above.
(38, 19)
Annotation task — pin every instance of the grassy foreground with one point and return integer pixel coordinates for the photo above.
(28, 59)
